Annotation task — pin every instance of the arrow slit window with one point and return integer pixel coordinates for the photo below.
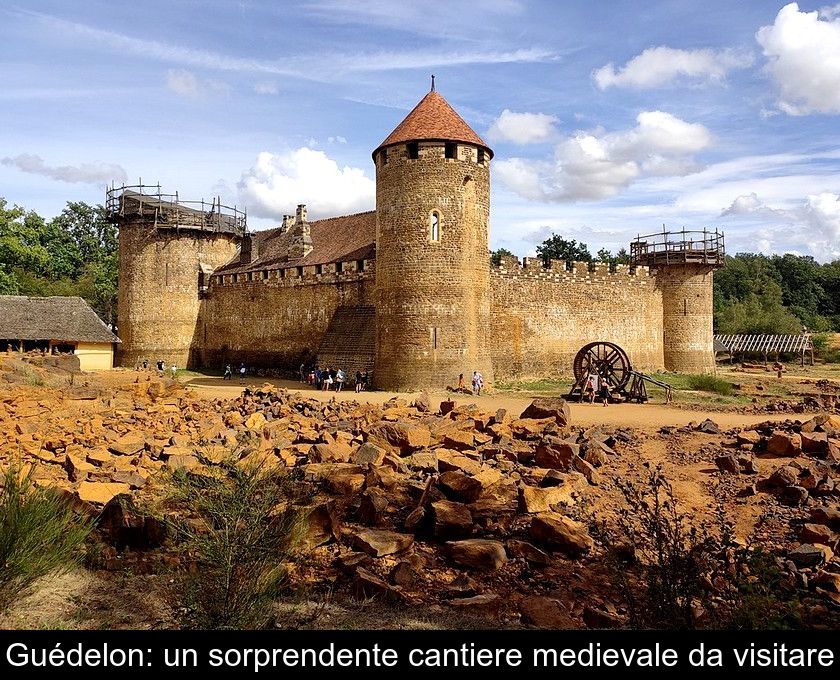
(434, 226)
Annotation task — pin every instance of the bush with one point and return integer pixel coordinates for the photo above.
(710, 383)
(39, 534)
(686, 576)
(245, 534)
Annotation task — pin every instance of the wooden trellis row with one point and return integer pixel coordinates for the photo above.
(766, 345)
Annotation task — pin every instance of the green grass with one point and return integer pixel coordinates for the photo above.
(39, 534)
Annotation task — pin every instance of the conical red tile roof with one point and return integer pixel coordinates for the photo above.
(433, 118)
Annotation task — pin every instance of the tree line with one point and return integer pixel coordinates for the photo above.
(752, 293)
(73, 254)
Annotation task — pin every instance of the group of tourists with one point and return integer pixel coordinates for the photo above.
(328, 379)
(477, 383)
(595, 386)
(162, 369)
(242, 372)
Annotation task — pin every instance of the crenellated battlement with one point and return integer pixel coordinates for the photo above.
(562, 271)
(302, 275)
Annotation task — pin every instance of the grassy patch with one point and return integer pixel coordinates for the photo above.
(710, 383)
(246, 535)
(39, 534)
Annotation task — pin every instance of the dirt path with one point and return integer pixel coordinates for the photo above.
(643, 416)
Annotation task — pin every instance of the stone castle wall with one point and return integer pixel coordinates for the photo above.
(432, 296)
(159, 298)
(542, 316)
(276, 318)
(688, 308)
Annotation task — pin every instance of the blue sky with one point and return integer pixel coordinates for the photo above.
(608, 119)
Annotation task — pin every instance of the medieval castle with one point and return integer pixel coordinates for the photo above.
(406, 291)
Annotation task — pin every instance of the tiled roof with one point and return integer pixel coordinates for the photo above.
(336, 239)
(51, 318)
(433, 118)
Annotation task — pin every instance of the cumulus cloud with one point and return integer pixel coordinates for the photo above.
(596, 165)
(750, 204)
(93, 173)
(276, 183)
(822, 212)
(337, 139)
(803, 57)
(523, 128)
(187, 84)
(810, 225)
(659, 66)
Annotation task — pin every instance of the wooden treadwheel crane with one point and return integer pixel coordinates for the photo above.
(612, 365)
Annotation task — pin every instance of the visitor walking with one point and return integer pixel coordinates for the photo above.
(174, 370)
(604, 392)
(590, 389)
(477, 383)
(358, 381)
(228, 373)
(365, 380)
(339, 379)
(461, 382)
(242, 372)
(328, 380)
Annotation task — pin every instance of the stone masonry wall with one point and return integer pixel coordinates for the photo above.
(432, 296)
(276, 318)
(158, 297)
(688, 307)
(542, 316)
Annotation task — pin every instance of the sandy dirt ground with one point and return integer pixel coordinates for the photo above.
(642, 416)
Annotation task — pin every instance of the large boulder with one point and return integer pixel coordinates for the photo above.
(556, 453)
(405, 436)
(549, 407)
(378, 542)
(558, 531)
(451, 520)
(478, 553)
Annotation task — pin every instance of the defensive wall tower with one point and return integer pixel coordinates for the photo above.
(684, 263)
(168, 248)
(432, 250)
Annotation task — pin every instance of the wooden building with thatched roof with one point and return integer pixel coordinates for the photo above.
(56, 325)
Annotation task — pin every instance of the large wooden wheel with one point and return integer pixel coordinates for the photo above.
(606, 359)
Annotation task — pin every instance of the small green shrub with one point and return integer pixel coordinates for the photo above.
(245, 535)
(39, 534)
(683, 575)
(710, 383)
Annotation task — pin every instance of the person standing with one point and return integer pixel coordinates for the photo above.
(461, 382)
(477, 383)
(604, 391)
(228, 373)
(242, 372)
(591, 386)
(339, 379)
(358, 381)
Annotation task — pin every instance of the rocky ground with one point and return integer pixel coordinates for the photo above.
(438, 512)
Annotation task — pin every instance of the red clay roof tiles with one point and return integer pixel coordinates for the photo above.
(433, 118)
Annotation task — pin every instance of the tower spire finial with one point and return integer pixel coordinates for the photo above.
(433, 82)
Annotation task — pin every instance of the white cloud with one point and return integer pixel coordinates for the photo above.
(278, 182)
(596, 165)
(803, 57)
(266, 88)
(750, 204)
(337, 139)
(658, 66)
(318, 66)
(93, 173)
(187, 84)
(523, 128)
(822, 213)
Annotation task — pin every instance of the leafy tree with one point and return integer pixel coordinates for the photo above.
(497, 255)
(557, 248)
(621, 257)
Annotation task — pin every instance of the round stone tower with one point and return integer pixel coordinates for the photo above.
(432, 251)
(168, 249)
(684, 263)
